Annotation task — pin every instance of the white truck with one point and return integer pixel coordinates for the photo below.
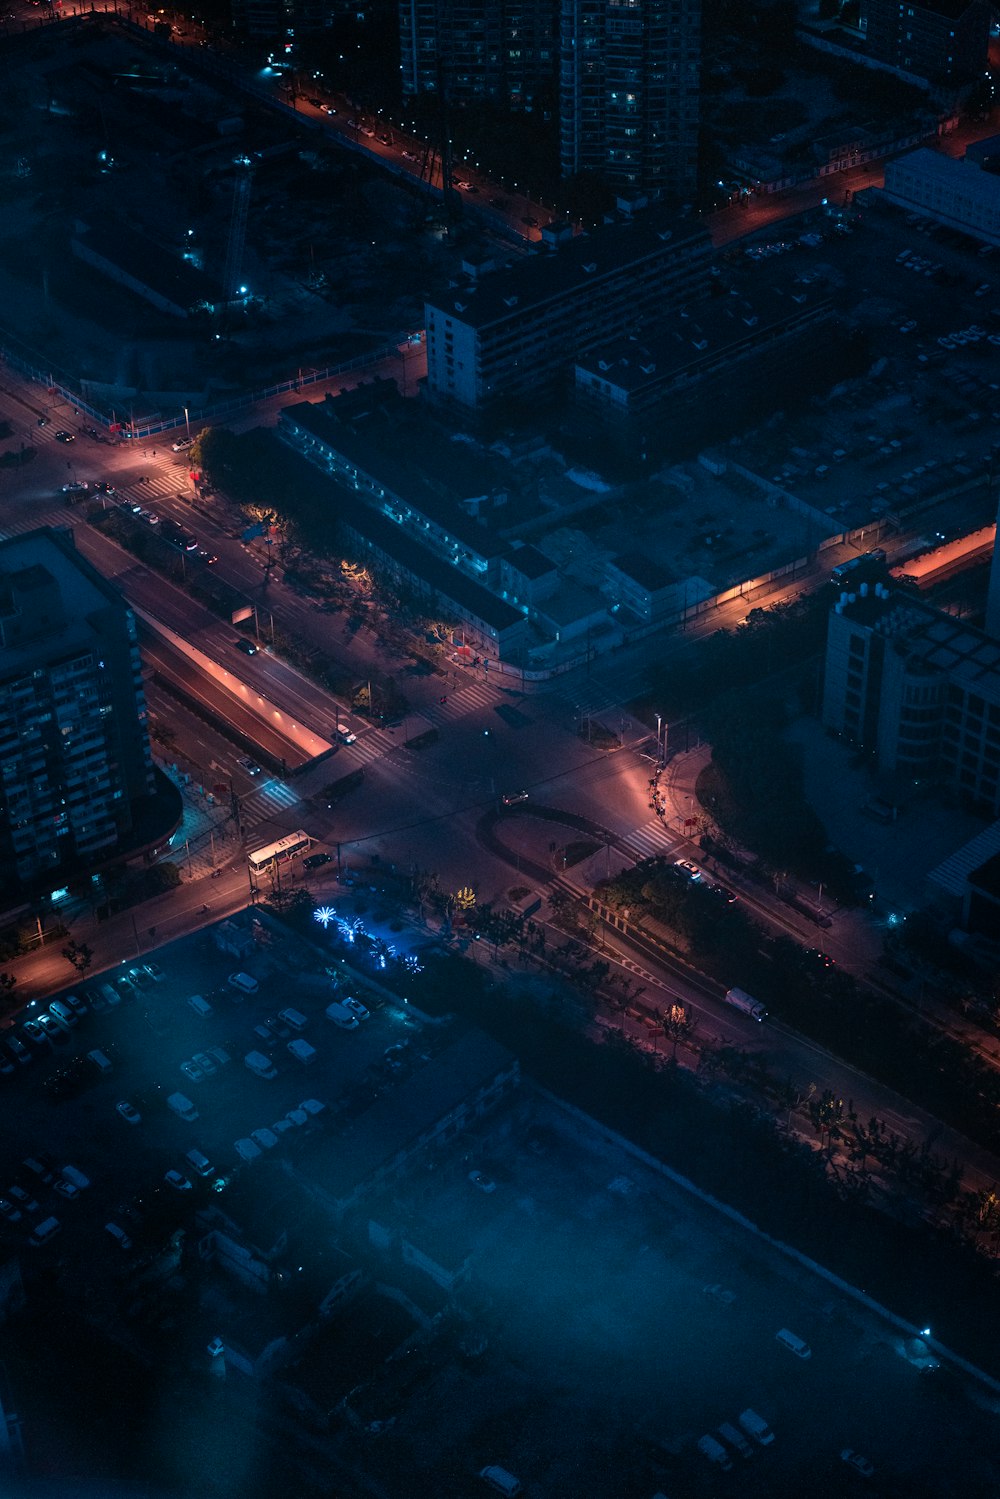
(741, 1000)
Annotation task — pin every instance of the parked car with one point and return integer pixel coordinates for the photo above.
(356, 1008)
(7, 1068)
(342, 1016)
(244, 982)
(34, 1032)
(176, 1180)
(18, 1050)
(247, 1150)
(686, 868)
(858, 1462)
(9, 1211)
(482, 1181)
(66, 1189)
(128, 1113)
(205, 1062)
(265, 1138)
(119, 1235)
(51, 1028)
(78, 1006)
(192, 1071)
(24, 1199)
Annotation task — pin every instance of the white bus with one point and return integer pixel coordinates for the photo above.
(280, 852)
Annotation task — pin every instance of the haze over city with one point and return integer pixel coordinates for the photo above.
(499, 749)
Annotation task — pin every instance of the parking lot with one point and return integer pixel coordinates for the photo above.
(625, 1321)
(610, 1321)
(169, 1059)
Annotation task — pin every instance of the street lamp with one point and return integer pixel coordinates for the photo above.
(187, 423)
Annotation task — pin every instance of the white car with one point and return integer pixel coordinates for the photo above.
(347, 736)
(685, 867)
(858, 1462)
(176, 1180)
(180, 444)
(247, 1150)
(356, 1008)
(244, 982)
(130, 1114)
(192, 1072)
(265, 1138)
(341, 1015)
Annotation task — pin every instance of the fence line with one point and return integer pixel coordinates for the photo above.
(139, 431)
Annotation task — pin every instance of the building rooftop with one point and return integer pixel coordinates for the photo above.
(398, 1120)
(954, 873)
(951, 174)
(589, 258)
(150, 264)
(432, 475)
(987, 876)
(942, 642)
(442, 576)
(643, 570)
(696, 337)
(529, 561)
(46, 559)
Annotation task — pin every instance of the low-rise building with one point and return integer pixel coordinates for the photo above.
(956, 193)
(514, 334)
(629, 376)
(447, 1095)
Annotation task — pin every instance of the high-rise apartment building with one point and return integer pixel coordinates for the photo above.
(629, 85)
(74, 746)
(503, 51)
(944, 41)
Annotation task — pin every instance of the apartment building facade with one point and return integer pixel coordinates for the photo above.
(944, 41)
(501, 51)
(629, 93)
(74, 745)
(917, 688)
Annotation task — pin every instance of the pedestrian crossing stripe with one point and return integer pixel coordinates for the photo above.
(651, 841)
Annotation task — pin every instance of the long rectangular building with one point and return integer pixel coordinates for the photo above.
(512, 335)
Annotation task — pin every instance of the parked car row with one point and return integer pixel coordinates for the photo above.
(252, 1146)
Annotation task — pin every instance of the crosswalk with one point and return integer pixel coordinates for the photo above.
(373, 744)
(267, 801)
(652, 840)
(456, 704)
